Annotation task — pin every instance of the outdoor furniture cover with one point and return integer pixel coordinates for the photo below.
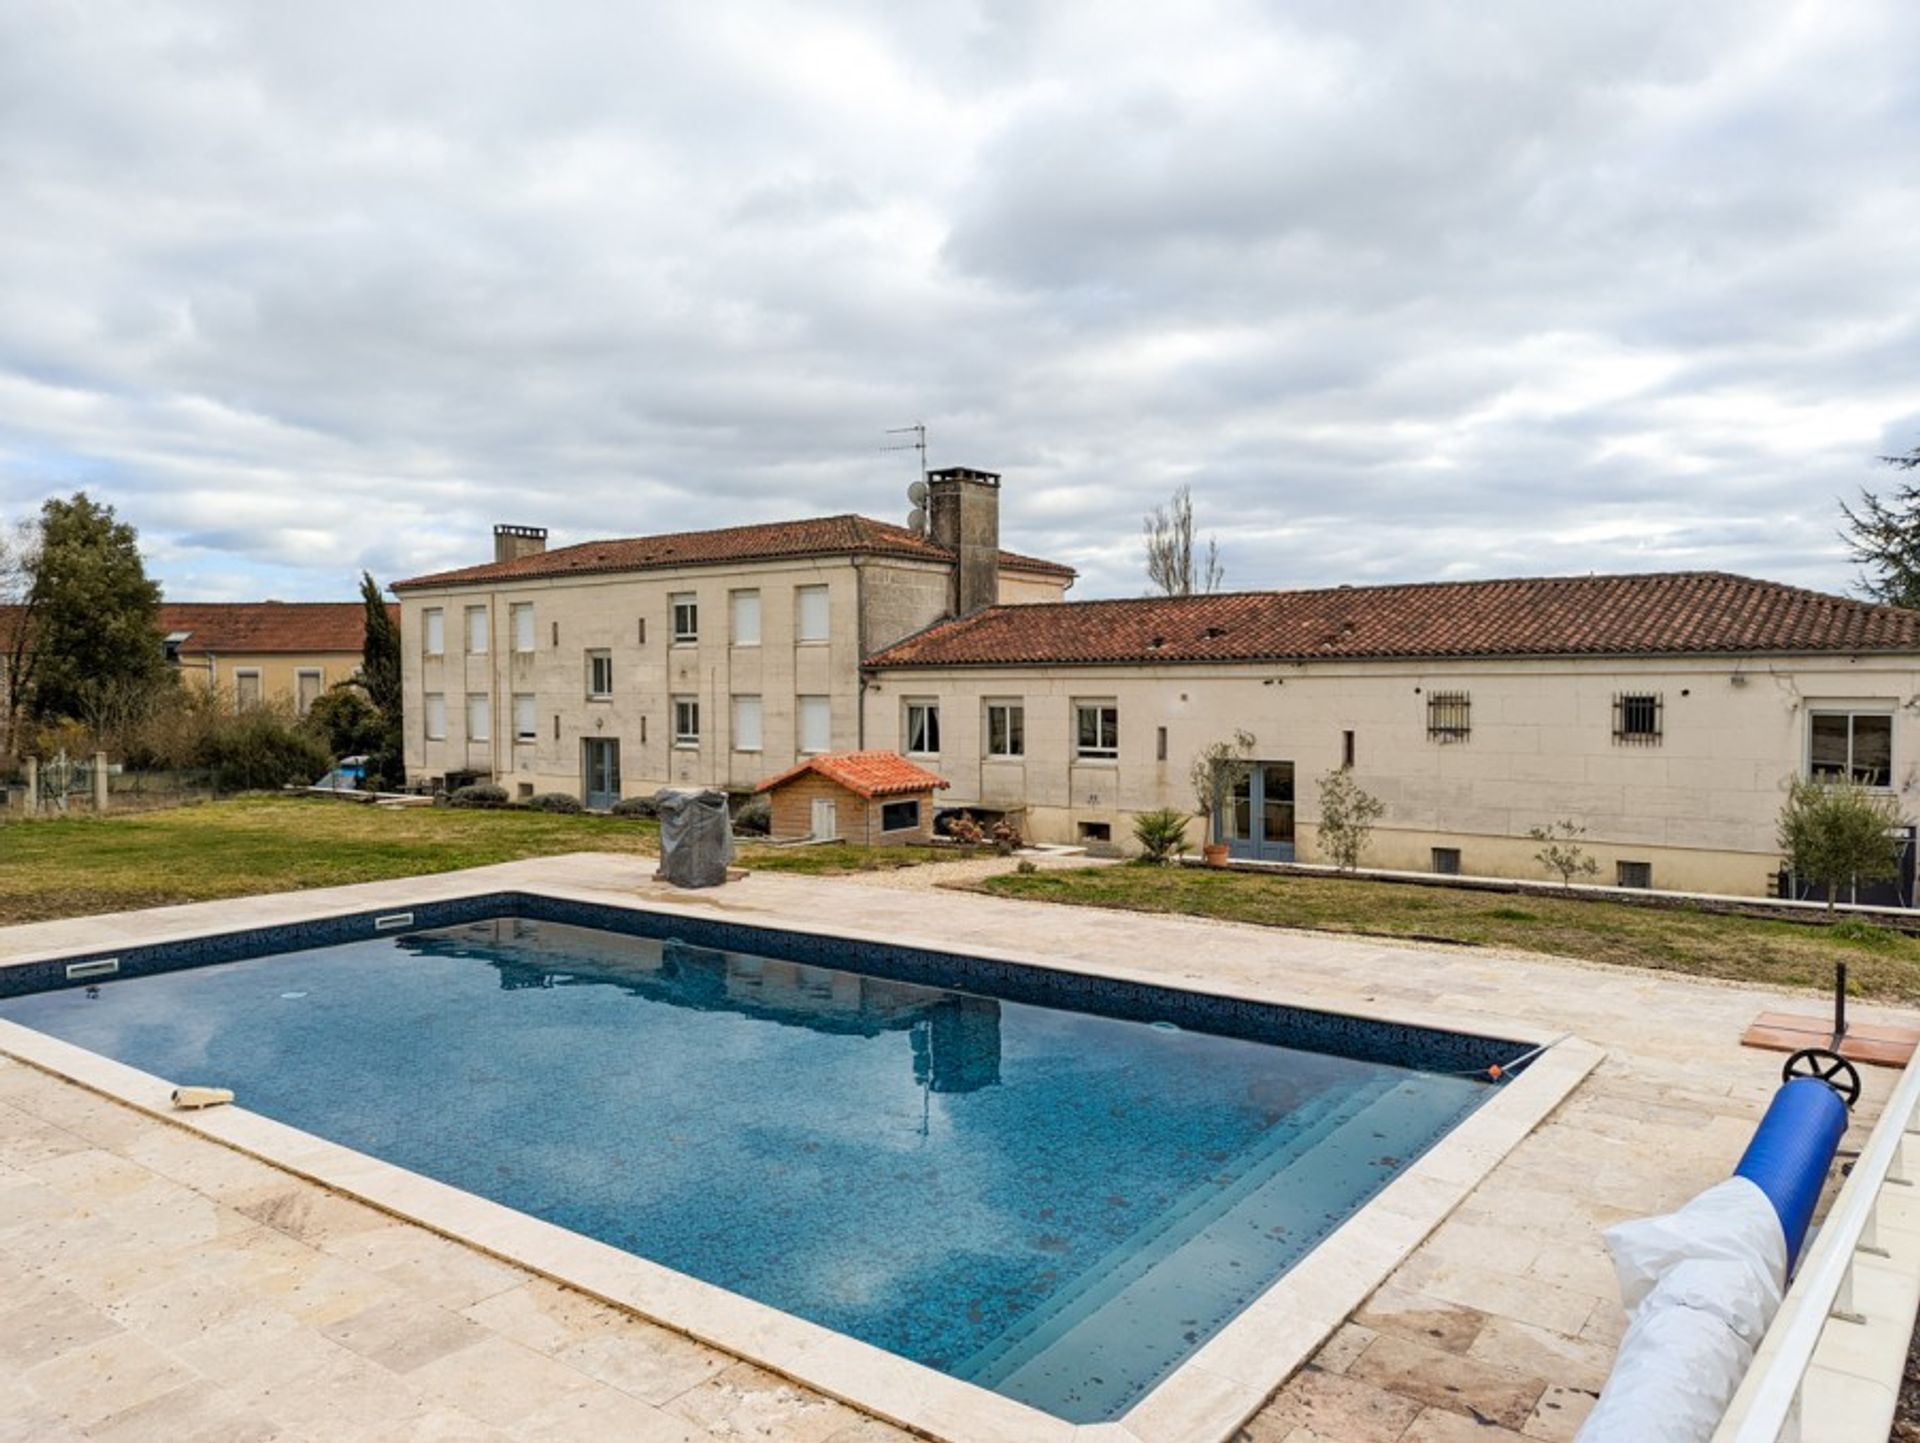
(696, 837)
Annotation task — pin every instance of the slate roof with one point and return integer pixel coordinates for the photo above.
(870, 774)
(816, 536)
(1657, 614)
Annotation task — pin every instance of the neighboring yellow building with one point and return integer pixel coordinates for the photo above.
(261, 651)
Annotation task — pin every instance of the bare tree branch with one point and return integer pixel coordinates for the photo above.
(1168, 541)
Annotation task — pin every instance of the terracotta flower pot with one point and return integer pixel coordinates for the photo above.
(1214, 854)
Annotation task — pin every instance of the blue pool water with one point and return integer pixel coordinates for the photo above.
(1055, 1205)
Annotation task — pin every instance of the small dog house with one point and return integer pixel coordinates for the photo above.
(876, 798)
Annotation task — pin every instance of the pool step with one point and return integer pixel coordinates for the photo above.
(1133, 1318)
(1297, 1133)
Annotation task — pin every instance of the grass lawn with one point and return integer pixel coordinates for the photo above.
(835, 858)
(1881, 963)
(270, 844)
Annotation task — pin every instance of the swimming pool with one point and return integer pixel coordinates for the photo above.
(1052, 1185)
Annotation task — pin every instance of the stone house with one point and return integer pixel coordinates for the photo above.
(1664, 713)
(713, 658)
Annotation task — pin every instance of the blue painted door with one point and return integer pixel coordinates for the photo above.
(602, 765)
(1259, 820)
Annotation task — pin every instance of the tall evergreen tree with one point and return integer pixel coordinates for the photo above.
(380, 676)
(1884, 537)
(94, 612)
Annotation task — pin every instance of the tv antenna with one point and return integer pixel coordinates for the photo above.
(916, 493)
(918, 430)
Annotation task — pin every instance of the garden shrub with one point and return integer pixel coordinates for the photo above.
(755, 815)
(1160, 834)
(260, 749)
(635, 807)
(554, 802)
(480, 794)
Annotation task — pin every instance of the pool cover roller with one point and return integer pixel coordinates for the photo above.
(1701, 1285)
(1791, 1151)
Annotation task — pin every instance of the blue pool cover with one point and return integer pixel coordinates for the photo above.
(1056, 1205)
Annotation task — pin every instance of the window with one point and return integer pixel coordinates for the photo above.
(246, 688)
(599, 676)
(899, 816)
(526, 718)
(746, 618)
(1006, 729)
(477, 630)
(810, 613)
(1636, 718)
(1855, 746)
(479, 717)
(1346, 749)
(686, 721)
(436, 717)
(1096, 730)
(746, 723)
(816, 724)
(521, 614)
(433, 630)
(306, 682)
(1449, 716)
(686, 618)
(1160, 744)
(1446, 861)
(923, 728)
(1633, 874)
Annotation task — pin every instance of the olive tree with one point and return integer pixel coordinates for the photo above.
(1347, 814)
(1838, 834)
(1215, 771)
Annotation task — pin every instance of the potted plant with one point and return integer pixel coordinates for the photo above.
(1216, 771)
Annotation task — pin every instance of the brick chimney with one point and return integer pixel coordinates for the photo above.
(510, 543)
(963, 515)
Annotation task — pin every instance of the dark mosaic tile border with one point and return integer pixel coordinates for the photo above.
(1307, 1029)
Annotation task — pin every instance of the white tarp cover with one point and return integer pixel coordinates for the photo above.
(696, 837)
(1700, 1287)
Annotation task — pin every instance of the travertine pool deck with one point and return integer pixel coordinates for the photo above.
(155, 1285)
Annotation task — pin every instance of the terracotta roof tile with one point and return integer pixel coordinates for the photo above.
(815, 536)
(1672, 613)
(267, 626)
(871, 774)
(257, 627)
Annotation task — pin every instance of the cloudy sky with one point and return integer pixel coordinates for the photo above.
(1402, 291)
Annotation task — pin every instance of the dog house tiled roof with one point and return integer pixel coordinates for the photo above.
(869, 774)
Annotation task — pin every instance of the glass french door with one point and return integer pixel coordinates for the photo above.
(601, 762)
(1259, 820)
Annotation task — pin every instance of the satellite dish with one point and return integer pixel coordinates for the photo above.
(917, 493)
(917, 521)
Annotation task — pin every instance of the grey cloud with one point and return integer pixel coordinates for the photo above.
(1446, 291)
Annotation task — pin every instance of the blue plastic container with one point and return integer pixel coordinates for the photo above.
(1791, 1151)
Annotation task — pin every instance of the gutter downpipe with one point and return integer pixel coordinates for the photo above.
(860, 664)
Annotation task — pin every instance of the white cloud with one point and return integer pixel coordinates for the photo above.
(1435, 292)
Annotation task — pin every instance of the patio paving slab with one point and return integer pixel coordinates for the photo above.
(158, 1285)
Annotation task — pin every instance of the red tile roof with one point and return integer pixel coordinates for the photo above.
(253, 627)
(1662, 614)
(871, 774)
(242, 627)
(816, 536)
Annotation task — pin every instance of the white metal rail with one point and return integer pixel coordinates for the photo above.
(1767, 1407)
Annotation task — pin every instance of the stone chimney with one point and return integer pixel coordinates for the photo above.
(963, 515)
(510, 543)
